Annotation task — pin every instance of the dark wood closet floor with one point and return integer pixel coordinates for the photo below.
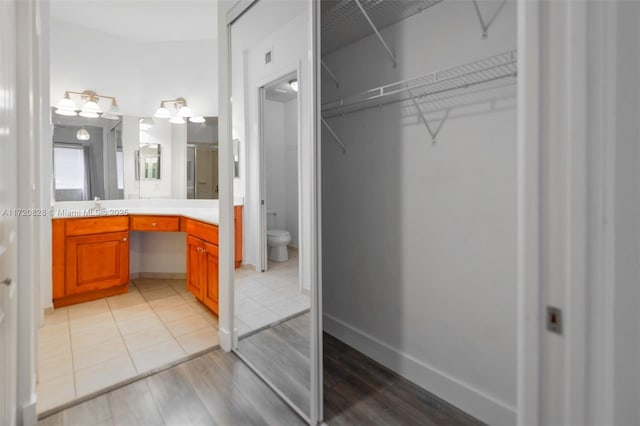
(219, 389)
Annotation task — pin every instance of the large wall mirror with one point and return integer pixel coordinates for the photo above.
(271, 130)
(132, 157)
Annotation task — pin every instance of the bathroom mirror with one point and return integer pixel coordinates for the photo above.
(272, 298)
(88, 158)
(147, 162)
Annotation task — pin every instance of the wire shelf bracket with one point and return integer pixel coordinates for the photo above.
(375, 29)
(335, 136)
(432, 133)
(457, 80)
(331, 74)
(486, 25)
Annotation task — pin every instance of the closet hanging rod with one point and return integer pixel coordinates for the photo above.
(471, 74)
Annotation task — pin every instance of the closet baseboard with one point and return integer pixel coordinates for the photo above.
(456, 392)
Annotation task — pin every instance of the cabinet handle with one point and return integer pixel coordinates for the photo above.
(124, 239)
(154, 224)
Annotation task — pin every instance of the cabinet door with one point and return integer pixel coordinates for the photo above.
(195, 247)
(211, 282)
(96, 262)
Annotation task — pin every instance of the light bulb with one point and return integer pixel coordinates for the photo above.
(177, 120)
(162, 112)
(83, 135)
(197, 119)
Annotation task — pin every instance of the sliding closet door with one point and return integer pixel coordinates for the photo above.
(273, 104)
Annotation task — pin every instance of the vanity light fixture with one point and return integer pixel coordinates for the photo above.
(90, 107)
(294, 84)
(82, 134)
(180, 109)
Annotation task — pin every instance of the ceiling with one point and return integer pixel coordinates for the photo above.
(142, 20)
(281, 91)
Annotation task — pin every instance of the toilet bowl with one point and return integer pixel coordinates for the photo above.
(277, 240)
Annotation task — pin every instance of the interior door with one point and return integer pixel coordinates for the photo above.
(8, 224)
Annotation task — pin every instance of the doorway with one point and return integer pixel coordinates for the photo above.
(279, 124)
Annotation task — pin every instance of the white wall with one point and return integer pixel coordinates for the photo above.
(419, 240)
(281, 158)
(274, 162)
(291, 169)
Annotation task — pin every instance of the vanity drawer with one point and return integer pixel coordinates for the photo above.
(96, 225)
(155, 223)
(204, 231)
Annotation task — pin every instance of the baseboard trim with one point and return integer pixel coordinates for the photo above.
(160, 275)
(456, 392)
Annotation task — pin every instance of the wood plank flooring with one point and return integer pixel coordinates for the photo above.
(359, 391)
(281, 355)
(219, 389)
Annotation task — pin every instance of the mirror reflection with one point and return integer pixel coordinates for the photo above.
(272, 302)
(88, 158)
(148, 162)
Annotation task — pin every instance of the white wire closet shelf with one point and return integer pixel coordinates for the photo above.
(483, 71)
(343, 21)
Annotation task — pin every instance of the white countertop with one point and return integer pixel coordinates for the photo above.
(203, 210)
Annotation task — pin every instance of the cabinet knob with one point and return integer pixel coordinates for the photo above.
(124, 239)
(6, 281)
(154, 224)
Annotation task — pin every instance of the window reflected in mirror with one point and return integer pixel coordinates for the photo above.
(148, 162)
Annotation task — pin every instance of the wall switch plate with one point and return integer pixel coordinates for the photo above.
(554, 319)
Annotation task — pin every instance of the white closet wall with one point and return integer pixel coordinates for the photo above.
(419, 239)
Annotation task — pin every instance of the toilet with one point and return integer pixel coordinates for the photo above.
(277, 239)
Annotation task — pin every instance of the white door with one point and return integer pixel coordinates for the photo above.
(8, 224)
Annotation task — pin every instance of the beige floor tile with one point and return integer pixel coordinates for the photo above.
(88, 309)
(155, 356)
(58, 316)
(94, 336)
(162, 293)
(259, 318)
(55, 393)
(104, 374)
(55, 367)
(167, 302)
(210, 317)
(128, 313)
(176, 312)
(139, 323)
(199, 340)
(188, 297)
(53, 349)
(247, 305)
(179, 285)
(88, 356)
(126, 300)
(187, 325)
(54, 333)
(87, 323)
(147, 337)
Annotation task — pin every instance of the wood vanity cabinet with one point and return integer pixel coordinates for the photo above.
(90, 258)
(91, 255)
(202, 271)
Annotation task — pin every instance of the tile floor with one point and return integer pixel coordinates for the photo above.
(90, 346)
(263, 298)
